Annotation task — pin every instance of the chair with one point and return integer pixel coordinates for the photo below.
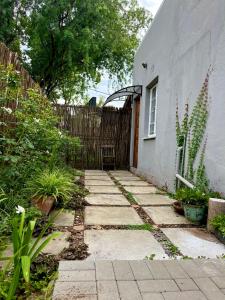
(108, 157)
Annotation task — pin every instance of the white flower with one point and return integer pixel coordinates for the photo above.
(20, 209)
(7, 109)
(60, 133)
(47, 151)
(36, 120)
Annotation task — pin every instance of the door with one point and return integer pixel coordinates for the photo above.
(136, 131)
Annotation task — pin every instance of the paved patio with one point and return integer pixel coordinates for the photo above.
(117, 267)
(133, 280)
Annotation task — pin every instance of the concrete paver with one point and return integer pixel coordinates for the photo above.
(121, 244)
(141, 189)
(195, 242)
(103, 189)
(140, 270)
(121, 281)
(100, 215)
(95, 172)
(56, 245)
(134, 183)
(187, 295)
(165, 215)
(156, 286)
(153, 199)
(158, 270)
(107, 199)
(129, 290)
(98, 177)
(64, 218)
(90, 182)
(127, 178)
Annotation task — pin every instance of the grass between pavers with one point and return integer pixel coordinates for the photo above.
(147, 227)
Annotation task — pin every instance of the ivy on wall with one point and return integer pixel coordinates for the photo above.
(190, 133)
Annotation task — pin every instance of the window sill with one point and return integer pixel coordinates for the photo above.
(150, 137)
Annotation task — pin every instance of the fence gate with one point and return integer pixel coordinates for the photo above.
(97, 127)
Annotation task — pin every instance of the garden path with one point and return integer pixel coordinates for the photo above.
(128, 220)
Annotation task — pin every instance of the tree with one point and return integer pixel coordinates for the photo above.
(12, 22)
(71, 42)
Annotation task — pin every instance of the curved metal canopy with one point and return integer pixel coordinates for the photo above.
(127, 91)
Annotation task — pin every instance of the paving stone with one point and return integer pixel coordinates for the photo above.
(65, 265)
(99, 215)
(163, 215)
(64, 218)
(129, 290)
(188, 295)
(211, 267)
(223, 291)
(90, 182)
(134, 183)
(157, 286)
(107, 290)
(140, 270)
(98, 177)
(186, 284)
(122, 270)
(219, 281)
(175, 269)
(152, 296)
(56, 245)
(103, 189)
(74, 289)
(153, 199)
(104, 270)
(81, 275)
(192, 269)
(195, 242)
(127, 178)
(122, 244)
(141, 189)
(95, 172)
(121, 173)
(208, 287)
(158, 270)
(70, 297)
(107, 199)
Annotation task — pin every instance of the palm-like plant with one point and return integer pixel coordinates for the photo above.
(52, 183)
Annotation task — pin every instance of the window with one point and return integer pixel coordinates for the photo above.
(152, 111)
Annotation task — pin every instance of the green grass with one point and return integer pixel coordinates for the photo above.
(131, 198)
(147, 227)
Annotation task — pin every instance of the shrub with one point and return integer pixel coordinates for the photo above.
(219, 223)
(56, 183)
(192, 197)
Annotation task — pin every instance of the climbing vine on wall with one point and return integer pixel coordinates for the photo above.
(190, 133)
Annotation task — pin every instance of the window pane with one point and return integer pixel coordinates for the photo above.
(152, 128)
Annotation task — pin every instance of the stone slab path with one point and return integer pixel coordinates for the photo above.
(147, 280)
(121, 247)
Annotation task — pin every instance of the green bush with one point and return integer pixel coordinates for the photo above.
(219, 223)
(192, 197)
(56, 183)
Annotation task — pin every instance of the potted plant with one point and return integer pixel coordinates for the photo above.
(49, 186)
(218, 224)
(194, 203)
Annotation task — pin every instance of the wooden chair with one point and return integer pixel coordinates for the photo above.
(108, 157)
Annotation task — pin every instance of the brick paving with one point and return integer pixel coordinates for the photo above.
(131, 280)
(125, 273)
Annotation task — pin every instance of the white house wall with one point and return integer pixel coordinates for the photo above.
(185, 39)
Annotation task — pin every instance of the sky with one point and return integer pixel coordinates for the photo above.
(105, 86)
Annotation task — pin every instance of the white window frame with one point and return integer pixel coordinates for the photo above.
(152, 135)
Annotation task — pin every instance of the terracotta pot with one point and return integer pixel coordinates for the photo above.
(178, 208)
(44, 204)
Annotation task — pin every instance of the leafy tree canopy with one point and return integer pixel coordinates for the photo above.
(71, 42)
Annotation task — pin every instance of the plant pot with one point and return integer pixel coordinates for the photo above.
(44, 204)
(220, 236)
(178, 208)
(216, 207)
(194, 213)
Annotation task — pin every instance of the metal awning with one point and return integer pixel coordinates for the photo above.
(127, 91)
